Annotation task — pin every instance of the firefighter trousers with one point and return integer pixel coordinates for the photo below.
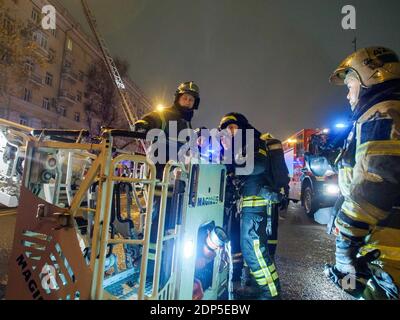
(272, 227)
(255, 252)
(233, 228)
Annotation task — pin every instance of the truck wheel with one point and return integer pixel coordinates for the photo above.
(310, 206)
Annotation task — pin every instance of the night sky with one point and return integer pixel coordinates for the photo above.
(270, 60)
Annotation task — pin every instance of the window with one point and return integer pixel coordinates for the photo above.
(46, 103)
(79, 96)
(62, 111)
(53, 102)
(35, 15)
(54, 32)
(69, 44)
(43, 42)
(3, 113)
(23, 120)
(40, 39)
(81, 75)
(29, 66)
(77, 116)
(67, 64)
(49, 79)
(27, 95)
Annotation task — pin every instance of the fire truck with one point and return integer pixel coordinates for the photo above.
(310, 156)
(13, 139)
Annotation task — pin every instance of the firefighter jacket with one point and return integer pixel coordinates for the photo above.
(168, 120)
(369, 179)
(160, 120)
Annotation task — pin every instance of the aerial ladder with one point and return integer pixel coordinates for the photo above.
(127, 106)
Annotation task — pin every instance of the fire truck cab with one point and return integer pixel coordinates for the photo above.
(313, 179)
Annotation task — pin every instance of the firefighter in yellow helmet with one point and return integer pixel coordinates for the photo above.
(368, 222)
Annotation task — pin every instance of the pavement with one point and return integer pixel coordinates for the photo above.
(7, 225)
(303, 249)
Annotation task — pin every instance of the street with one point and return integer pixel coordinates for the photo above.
(303, 249)
(7, 224)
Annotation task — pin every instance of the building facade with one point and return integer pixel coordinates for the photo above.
(53, 96)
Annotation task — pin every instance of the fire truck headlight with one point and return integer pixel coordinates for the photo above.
(332, 189)
(188, 249)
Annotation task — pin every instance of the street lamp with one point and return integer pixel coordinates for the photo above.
(160, 107)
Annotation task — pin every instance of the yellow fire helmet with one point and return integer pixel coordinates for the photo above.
(372, 65)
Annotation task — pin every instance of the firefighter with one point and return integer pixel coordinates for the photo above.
(368, 221)
(277, 199)
(232, 225)
(254, 192)
(187, 100)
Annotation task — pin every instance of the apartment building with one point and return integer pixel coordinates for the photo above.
(54, 95)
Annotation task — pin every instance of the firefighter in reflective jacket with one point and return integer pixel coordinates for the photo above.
(187, 100)
(179, 116)
(278, 196)
(254, 208)
(369, 175)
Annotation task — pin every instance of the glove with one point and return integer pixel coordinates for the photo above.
(284, 204)
(381, 286)
(360, 278)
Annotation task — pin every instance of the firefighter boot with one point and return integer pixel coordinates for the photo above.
(248, 288)
(265, 294)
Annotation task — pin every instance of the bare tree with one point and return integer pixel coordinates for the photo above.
(102, 97)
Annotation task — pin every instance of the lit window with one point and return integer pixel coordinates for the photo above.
(69, 44)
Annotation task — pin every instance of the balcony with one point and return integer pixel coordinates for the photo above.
(67, 97)
(36, 78)
(67, 73)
